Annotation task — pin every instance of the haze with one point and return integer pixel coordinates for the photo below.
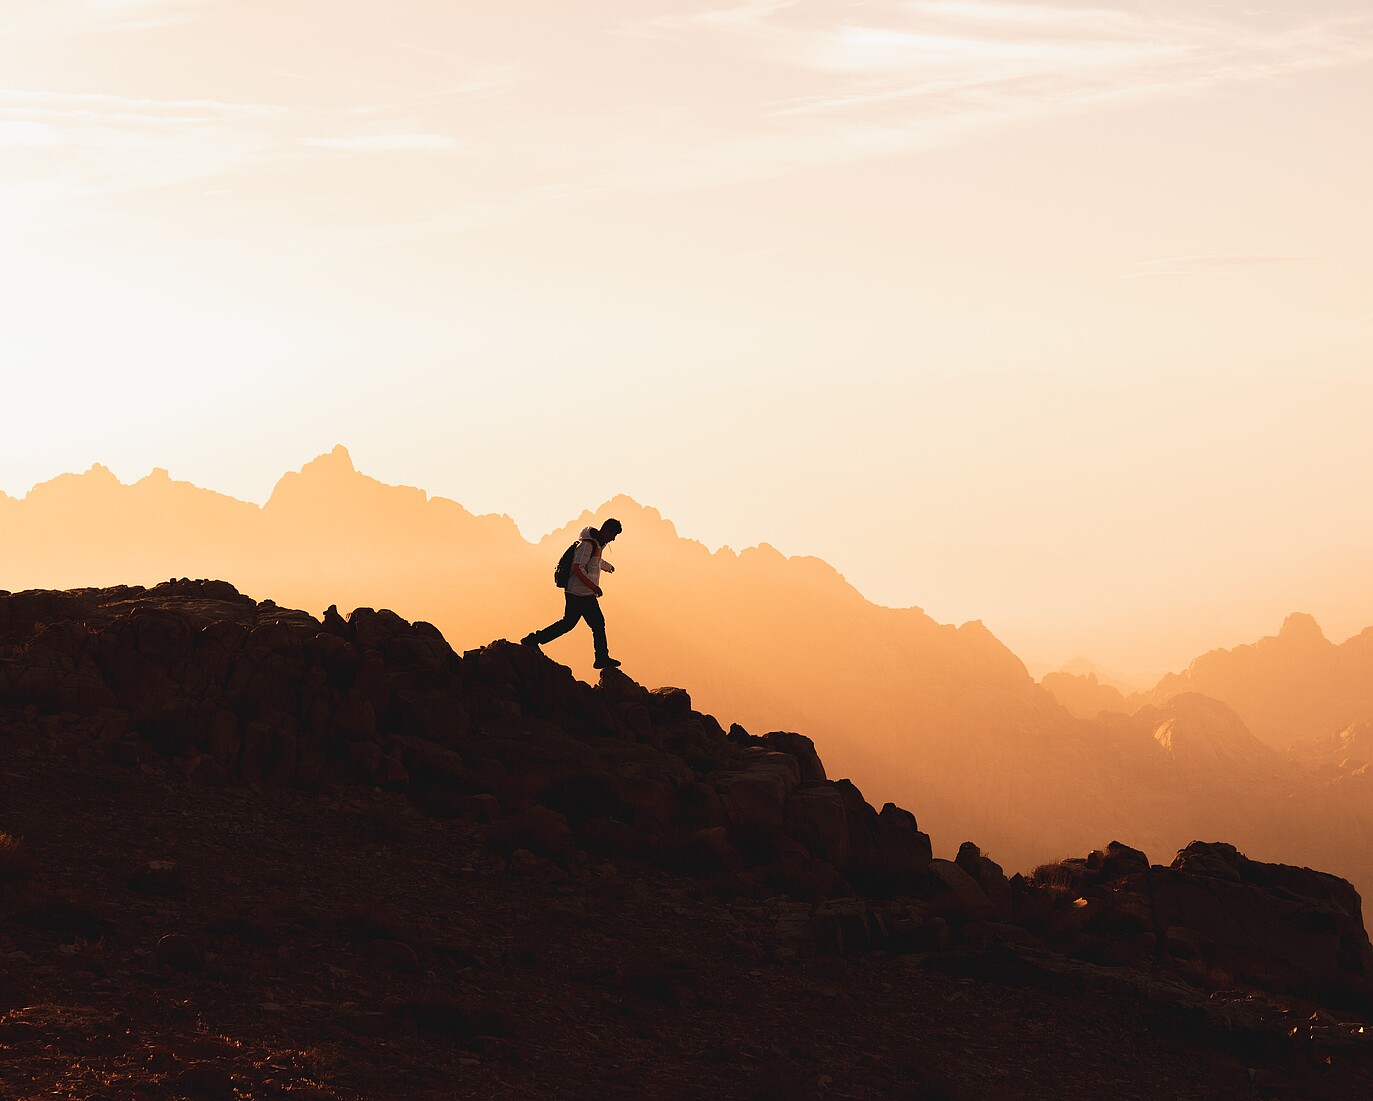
(1269, 744)
(1057, 316)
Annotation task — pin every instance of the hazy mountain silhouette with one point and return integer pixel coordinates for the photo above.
(1292, 687)
(1270, 741)
(1086, 697)
(1125, 683)
(926, 714)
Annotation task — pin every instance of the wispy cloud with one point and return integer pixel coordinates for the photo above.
(88, 105)
(887, 77)
(386, 143)
(87, 144)
(793, 86)
(1213, 265)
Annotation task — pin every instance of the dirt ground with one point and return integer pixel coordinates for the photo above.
(160, 939)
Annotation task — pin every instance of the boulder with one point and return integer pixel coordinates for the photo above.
(963, 899)
(803, 749)
(178, 952)
(814, 816)
(753, 795)
(1118, 861)
(1275, 926)
(888, 855)
(989, 877)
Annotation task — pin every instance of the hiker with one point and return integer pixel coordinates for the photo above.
(583, 592)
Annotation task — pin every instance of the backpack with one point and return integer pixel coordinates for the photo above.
(562, 572)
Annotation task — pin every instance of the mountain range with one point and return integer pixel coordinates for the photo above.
(1264, 745)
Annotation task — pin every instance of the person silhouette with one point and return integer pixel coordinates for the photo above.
(583, 593)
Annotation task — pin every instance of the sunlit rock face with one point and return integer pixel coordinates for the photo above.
(1204, 738)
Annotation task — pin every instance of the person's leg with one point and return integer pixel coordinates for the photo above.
(595, 619)
(571, 614)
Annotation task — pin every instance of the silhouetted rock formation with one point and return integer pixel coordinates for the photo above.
(1271, 925)
(240, 691)
(237, 691)
(528, 885)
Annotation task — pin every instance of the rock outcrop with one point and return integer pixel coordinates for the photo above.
(232, 691)
(246, 852)
(1268, 925)
(239, 691)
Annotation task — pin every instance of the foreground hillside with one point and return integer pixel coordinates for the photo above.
(250, 853)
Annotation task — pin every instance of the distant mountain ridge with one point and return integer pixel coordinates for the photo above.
(1291, 687)
(925, 714)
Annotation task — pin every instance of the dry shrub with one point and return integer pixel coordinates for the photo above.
(1064, 877)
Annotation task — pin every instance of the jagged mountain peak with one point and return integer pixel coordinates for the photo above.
(330, 483)
(645, 519)
(1302, 628)
(330, 467)
(336, 460)
(1290, 687)
(98, 478)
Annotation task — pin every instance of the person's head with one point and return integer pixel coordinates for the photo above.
(610, 529)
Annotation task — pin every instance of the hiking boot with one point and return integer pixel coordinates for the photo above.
(606, 662)
(530, 640)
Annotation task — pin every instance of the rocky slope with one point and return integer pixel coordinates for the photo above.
(252, 853)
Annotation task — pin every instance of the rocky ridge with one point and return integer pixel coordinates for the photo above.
(934, 716)
(576, 805)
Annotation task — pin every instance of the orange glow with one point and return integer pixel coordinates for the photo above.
(945, 720)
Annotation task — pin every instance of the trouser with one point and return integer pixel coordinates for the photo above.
(578, 607)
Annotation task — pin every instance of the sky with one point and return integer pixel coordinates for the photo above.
(1053, 315)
